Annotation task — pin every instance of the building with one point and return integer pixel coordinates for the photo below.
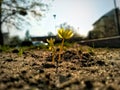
(106, 25)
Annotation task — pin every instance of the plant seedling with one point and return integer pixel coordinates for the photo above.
(20, 53)
(64, 34)
(52, 48)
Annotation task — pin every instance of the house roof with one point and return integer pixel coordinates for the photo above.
(110, 13)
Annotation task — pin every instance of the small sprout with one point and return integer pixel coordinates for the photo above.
(64, 34)
(20, 53)
(51, 43)
(52, 48)
(91, 51)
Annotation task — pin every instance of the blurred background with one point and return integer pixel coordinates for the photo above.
(32, 19)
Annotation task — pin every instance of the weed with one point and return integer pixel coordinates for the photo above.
(91, 51)
(63, 34)
(52, 48)
(20, 53)
(4, 48)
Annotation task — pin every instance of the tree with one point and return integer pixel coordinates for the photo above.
(50, 34)
(14, 12)
(27, 35)
(67, 26)
(15, 41)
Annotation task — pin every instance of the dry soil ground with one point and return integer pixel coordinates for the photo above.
(77, 71)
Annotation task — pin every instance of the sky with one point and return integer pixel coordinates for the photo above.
(80, 14)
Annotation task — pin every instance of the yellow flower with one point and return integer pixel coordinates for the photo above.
(51, 43)
(65, 34)
(52, 47)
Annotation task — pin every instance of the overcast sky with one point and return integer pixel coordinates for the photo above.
(80, 14)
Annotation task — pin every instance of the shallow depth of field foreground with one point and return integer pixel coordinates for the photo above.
(83, 69)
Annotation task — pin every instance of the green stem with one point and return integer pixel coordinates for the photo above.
(61, 49)
(53, 54)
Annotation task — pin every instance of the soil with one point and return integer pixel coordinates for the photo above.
(77, 70)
